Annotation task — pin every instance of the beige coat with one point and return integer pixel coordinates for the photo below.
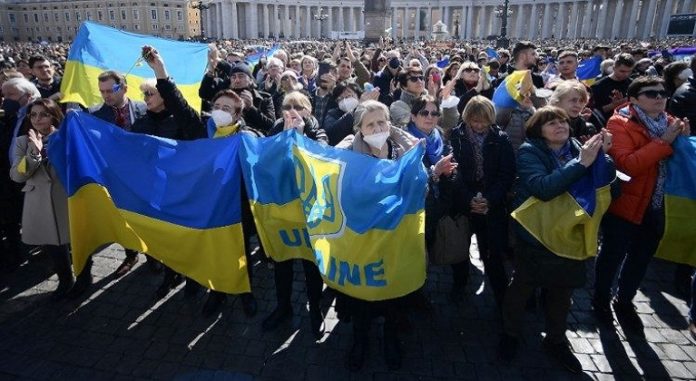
(45, 214)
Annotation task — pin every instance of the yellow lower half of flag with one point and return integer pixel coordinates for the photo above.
(678, 242)
(212, 257)
(80, 84)
(377, 265)
(562, 225)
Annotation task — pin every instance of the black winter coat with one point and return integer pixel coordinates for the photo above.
(498, 177)
(683, 103)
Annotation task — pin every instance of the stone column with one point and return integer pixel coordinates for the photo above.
(573, 31)
(647, 31)
(275, 21)
(393, 23)
(340, 26)
(252, 23)
(685, 6)
(546, 26)
(416, 31)
(618, 18)
(233, 24)
(534, 24)
(562, 21)
(308, 22)
(586, 21)
(329, 10)
(223, 13)
(266, 25)
(602, 20)
(428, 22)
(466, 31)
(208, 22)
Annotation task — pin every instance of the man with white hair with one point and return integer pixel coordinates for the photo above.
(17, 93)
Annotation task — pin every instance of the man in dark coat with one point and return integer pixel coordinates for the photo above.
(683, 102)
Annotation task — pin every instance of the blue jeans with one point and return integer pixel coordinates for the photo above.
(628, 249)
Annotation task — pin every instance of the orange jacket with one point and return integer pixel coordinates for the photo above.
(638, 155)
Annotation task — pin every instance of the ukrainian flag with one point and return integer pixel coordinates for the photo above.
(678, 242)
(568, 225)
(178, 201)
(98, 48)
(360, 219)
(589, 69)
(512, 90)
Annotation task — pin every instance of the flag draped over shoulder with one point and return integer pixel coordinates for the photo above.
(511, 91)
(361, 220)
(98, 48)
(678, 242)
(178, 201)
(568, 225)
(589, 69)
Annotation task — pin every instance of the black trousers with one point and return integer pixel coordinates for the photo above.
(491, 256)
(283, 274)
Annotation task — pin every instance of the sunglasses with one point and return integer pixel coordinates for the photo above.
(292, 107)
(472, 69)
(148, 93)
(426, 113)
(653, 94)
(419, 78)
(39, 114)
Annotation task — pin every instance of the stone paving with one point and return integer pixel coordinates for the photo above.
(118, 331)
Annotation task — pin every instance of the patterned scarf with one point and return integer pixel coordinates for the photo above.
(656, 127)
(477, 139)
(563, 154)
(433, 142)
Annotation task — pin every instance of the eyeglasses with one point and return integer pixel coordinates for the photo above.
(653, 94)
(472, 69)
(148, 93)
(416, 79)
(291, 107)
(426, 113)
(39, 114)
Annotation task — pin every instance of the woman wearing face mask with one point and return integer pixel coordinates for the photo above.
(226, 120)
(45, 213)
(482, 189)
(339, 120)
(572, 97)
(374, 136)
(297, 114)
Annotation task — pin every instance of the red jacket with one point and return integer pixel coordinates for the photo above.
(638, 155)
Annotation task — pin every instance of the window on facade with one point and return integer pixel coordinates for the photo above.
(136, 26)
(167, 27)
(26, 18)
(88, 15)
(112, 15)
(12, 17)
(45, 17)
(100, 15)
(166, 15)
(153, 14)
(123, 15)
(155, 26)
(136, 14)
(67, 16)
(55, 17)
(180, 15)
(36, 17)
(77, 16)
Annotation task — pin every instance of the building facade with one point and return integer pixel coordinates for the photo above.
(59, 20)
(467, 19)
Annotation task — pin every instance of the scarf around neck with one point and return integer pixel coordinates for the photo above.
(656, 127)
(433, 142)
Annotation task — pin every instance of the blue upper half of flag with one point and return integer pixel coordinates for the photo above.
(373, 193)
(584, 191)
(195, 184)
(109, 48)
(681, 169)
(491, 53)
(589, 68)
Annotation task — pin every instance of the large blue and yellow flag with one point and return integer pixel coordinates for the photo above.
(589, 69)
(178, 201)
(360, 219)
(98, 48)
(513, 89)
(568, 225)
(678, 242)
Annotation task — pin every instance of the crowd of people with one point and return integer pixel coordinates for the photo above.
(380, 100)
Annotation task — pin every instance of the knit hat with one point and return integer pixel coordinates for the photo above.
(241, 68)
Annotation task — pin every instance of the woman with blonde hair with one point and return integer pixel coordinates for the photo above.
(572, 97)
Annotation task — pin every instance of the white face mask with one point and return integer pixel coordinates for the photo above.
(221, 118)
(684, 75)
(348, 104)
(376, 140)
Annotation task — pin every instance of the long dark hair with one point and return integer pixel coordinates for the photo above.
(51, 107)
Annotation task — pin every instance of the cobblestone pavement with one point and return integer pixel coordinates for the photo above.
(118, 331)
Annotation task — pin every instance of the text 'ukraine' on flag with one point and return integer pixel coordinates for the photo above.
(98, 48)
(589, 69)
(360, 219)
(678, 242)
(513, 89)
(568, 225)
(178, 201)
